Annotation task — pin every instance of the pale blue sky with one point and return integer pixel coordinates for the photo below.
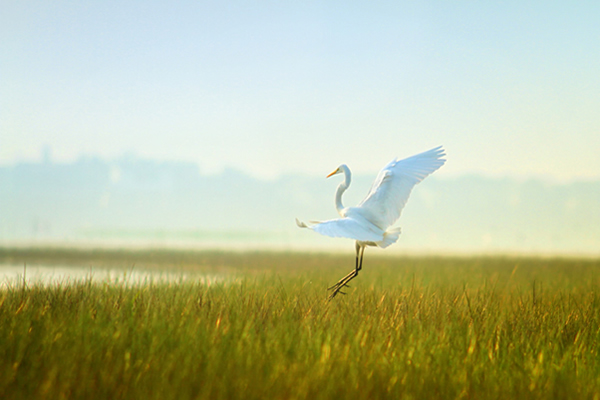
(276, 87)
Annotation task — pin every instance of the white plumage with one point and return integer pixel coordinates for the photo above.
(369, 223)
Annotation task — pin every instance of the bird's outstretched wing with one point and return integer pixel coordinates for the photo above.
(346, 227)
(393, 185)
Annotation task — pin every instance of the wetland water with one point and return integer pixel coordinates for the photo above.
(11, 274)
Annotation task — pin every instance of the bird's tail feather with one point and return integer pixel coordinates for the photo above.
(389, 237)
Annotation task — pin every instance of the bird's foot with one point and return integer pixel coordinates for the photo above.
(337, 288)
(336, 291)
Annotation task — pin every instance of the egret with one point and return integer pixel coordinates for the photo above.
(369, 223)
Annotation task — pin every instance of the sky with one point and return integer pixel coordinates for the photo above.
(509, 88)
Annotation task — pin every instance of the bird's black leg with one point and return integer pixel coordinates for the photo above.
(362, 252)
(344, 281)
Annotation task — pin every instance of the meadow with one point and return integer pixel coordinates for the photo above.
(409, 327)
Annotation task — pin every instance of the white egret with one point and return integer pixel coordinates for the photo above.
(369, 223)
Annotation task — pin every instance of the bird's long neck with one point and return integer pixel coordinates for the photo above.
(342, 188)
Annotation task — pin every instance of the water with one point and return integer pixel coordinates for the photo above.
(11, 275)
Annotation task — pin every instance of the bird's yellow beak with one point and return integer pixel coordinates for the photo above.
(333, 173)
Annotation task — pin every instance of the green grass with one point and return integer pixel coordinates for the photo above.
(422, 328)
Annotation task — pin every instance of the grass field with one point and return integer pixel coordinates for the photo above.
(410, 327)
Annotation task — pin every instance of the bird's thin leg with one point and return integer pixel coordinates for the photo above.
(362, 252)
(337, 288)
(344, 281)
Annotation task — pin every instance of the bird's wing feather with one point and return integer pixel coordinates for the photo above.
(348, 228)
(393, 185)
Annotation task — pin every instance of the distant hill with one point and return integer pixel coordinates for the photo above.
(136, 200)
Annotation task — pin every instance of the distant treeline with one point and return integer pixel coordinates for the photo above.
(95, 197)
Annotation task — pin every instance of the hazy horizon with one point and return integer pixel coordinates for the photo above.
(45, 155)
(139, 202)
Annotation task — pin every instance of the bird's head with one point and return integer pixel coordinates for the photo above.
(339, 170)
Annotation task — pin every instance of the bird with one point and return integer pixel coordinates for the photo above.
(370, 222)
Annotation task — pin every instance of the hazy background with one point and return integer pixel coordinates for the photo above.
(268, 98)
